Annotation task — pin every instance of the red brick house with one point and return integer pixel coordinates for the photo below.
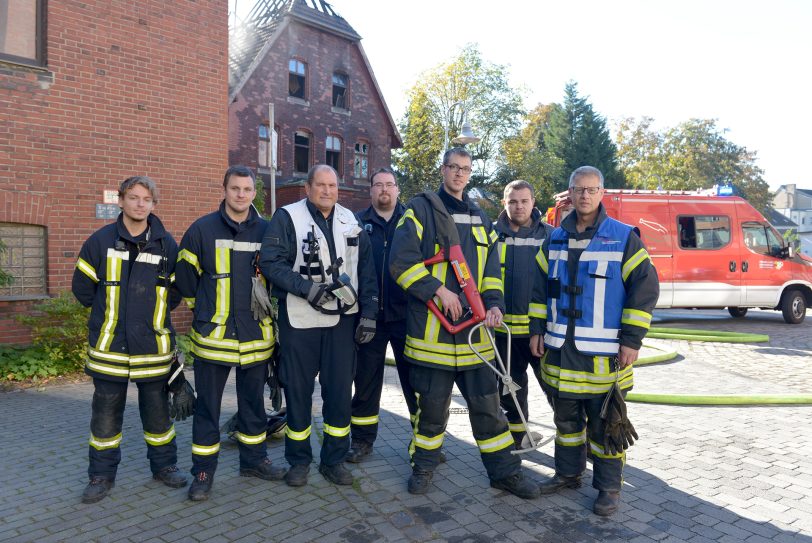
(92, 92)
(306, 60)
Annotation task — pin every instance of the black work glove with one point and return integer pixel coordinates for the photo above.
(619, 433)
(365, 330)
(260, 301)
(182, 402)
(272, 380)
(319, 295)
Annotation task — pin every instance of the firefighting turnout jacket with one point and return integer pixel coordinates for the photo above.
(215, 266)
(598, 290)
(415, 240)
(130, 292)
(517, 258)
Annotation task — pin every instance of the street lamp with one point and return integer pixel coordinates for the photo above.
(466, 135)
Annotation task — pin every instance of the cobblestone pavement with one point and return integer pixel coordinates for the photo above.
(697, 474)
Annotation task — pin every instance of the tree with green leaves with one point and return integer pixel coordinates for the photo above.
(695, 154)
(578, 135)
(467, 87)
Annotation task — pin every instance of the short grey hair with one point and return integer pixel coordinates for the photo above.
(142, 180)
(585, 171)
(316, 169)
(519, 184)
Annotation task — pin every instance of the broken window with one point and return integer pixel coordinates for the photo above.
(333, 158)
(340, 90)
(297, 78)
(301, 152)
(361, 160)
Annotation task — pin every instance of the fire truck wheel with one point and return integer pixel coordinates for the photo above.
(737, 312)
(793, 306)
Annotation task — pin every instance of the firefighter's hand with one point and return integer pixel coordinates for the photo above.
(319, 295)
(626, 356)
(537, 345)
(365, 330)
(451, 303)
(182, 403)
(493, 318)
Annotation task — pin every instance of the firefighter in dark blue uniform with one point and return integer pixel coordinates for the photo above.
(438, 358)
(125, 273)
(592, 310)
(217, 261)
(379, 220)
(318, 259)
(521, 233)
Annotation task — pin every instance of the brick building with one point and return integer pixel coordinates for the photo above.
(328, 108)
(92, 92)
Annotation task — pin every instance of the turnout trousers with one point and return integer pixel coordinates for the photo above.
(520, 359)
(107, 416)
(328, 352)
(366, 401)
(210, 381)
(433, 389)
(578, 426)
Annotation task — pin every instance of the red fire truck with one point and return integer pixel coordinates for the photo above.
(711, 251)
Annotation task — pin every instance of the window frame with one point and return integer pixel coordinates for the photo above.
(39, 60)
(359, 173)
(339, 159)
(345, 94)
(8, 293)
(297, 146)
(682, 226)
(303, 76)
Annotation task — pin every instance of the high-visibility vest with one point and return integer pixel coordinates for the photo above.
(594, 305)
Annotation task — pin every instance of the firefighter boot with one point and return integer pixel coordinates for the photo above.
(551, 486)
(200, 488)
(171, 477)
(265, 470)
(358, 451)
(518, 485)
(297, 475)
(607, 503)
(420, 481)
(336, 474)
(97, 489)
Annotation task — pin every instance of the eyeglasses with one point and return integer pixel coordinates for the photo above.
(580, 190)
(465, 170)
(380, 186)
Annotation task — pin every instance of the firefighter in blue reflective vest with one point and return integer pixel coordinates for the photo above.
(592, 308)
(217, 263)
(521, 233)
(319, 260)
(439, 359)
(125, 274)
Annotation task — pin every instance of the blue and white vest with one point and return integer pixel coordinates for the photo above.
(595, 302)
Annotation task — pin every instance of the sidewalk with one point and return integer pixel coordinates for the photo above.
(697, 474)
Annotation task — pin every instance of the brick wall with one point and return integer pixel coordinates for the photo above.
(365, 120)
(129, 88)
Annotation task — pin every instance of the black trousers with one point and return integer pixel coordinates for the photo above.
(366, 400)
(329, 353)
(107, 417)
(578, 426)
(210, 381)
(433, 387)
(520, 359)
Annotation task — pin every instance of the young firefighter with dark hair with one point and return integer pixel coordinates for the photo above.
(125, 273)
(319, 261)
(521, 232)
(438, 358)
(217, 272)
(593, 308)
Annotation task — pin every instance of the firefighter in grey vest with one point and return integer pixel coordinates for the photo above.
(319, 260)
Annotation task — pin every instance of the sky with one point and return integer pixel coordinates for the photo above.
(746, 63)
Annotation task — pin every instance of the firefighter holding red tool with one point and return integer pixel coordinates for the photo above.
(440, 357)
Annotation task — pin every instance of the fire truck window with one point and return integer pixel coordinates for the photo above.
(755, 239)
(704, 232)
(687, 233)
(774, 243)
